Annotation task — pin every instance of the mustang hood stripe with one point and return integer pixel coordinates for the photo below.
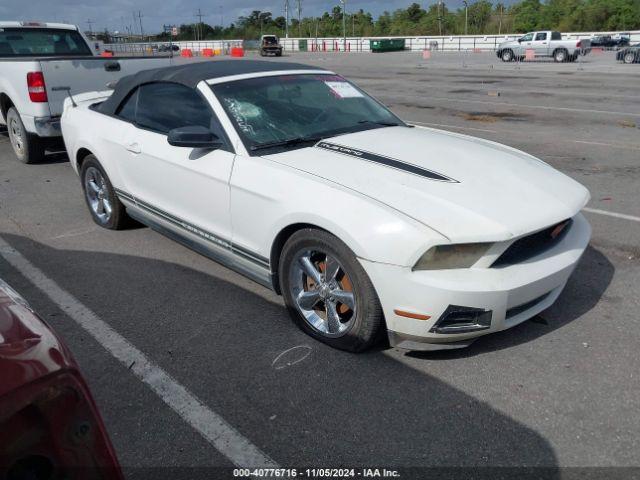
(382, 160)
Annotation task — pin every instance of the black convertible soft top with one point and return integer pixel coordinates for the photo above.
(191, 74)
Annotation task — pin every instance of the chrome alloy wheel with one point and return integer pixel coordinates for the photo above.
(16, 136)
(97, 193)
(323, 292)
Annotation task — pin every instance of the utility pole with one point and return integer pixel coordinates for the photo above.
(221, 18)
(299, 17)
(440, 13)
(466, 17)
(90, 22)
(140, 21)
(199, 25)
(344, 24)
(500, 21)
(286, 18)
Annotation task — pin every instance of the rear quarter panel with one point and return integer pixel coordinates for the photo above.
(13, 86)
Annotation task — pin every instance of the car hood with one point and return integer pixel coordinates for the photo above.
(465, 188)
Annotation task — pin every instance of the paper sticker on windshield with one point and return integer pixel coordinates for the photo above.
(343, 89)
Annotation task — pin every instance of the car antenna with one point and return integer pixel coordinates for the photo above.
(68, 90)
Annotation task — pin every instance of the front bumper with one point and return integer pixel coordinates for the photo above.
(512, 294)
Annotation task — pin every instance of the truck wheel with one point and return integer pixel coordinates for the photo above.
(560, 55)
(507, 56)
(629, 57)
(105, 207)
(262, 53)
(327, 292)
(27, 147)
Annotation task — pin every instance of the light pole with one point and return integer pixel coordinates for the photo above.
(344, 24)
(466, 18)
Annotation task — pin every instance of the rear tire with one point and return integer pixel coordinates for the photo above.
(313, 297)
(629, 57)
(105, 207)
(560, 55)
(29, 148)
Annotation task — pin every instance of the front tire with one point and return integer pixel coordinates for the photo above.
(507, 55)
(28, 147)
(104, 205)
(629, 57)
(327, 292)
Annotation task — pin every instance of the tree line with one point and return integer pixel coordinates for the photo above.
(480, 18)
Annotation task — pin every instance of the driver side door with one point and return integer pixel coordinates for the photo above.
(185, 189)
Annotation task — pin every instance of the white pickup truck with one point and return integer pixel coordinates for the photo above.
(543, 44)
(40, 65)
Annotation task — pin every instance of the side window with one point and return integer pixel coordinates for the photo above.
(165, 106)
(527, 38)
(541, 36)
(127, 109)
(556, 36)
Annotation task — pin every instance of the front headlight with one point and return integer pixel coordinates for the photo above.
(462, 255)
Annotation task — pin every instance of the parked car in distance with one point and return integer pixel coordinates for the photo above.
(543, 44)
(166, 47)
(630, 54)
(270, 45)
(40, 64)
(608, 41)
(298, 179)
(50, 427)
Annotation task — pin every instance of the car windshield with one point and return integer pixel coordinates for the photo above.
(45, 42)
(285, 110)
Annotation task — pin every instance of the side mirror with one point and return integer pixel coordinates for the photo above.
(193, 137)
(519, 40)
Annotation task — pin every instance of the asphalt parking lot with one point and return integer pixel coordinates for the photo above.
(558, 391)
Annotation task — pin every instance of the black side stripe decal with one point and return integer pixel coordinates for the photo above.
(208, 236)
(387, 161)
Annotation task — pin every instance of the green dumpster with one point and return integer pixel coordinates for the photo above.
(302, 45)
(387, 45)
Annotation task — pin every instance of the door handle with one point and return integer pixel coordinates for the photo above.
(134, 148)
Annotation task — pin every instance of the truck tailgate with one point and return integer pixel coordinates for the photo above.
(89, 74)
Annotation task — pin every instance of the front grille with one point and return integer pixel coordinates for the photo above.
(532, 245)
(517, 310)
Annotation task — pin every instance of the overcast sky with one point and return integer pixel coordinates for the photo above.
(115, 14)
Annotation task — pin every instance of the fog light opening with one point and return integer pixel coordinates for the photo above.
(460, 319)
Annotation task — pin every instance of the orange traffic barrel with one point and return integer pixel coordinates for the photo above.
(237, 52)
(186, 52)
(207, 52)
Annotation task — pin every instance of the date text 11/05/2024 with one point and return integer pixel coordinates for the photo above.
(316, 473)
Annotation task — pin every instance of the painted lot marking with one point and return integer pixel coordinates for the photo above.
(512, 133)
(538, 107)
(227, 440)
(612, 214)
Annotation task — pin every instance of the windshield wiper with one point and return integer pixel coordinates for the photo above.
(286, 143)
(383, 124)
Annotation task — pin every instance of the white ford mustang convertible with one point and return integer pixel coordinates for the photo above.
(296, 178)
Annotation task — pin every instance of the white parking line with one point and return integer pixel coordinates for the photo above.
(227, 440)
(612, 214)
(419, 124)
(608, 145)
(539, 107)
